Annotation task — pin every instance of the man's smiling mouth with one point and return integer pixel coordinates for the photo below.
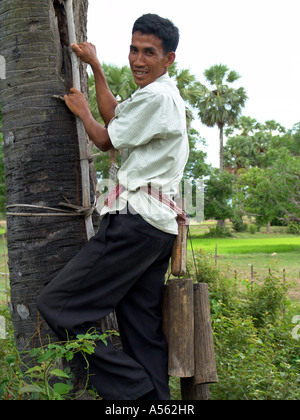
(140, 72)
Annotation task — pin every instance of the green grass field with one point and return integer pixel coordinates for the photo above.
(276, 250)
(248, 244)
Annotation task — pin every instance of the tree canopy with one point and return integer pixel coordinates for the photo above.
(266, 161)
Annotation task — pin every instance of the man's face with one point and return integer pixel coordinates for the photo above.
(147, 59)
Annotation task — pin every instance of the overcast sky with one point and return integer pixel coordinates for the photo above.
(258, 38)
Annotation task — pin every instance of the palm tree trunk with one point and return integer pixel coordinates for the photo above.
(221, 127)
(42, 164)
(221, 223)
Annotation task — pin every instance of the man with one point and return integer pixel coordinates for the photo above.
(123, 267)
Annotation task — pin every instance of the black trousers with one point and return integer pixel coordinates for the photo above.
(123, 269)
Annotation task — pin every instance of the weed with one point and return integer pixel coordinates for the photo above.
(47, 379)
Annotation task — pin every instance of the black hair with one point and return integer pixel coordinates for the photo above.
(164, 29)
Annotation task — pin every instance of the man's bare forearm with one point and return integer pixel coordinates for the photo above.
(105, 99)
(96, 132)
(78, 104)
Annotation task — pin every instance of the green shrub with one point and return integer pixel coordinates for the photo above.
(238, 223)
(252, 363)
(207, 272)
(266, 301)
(252, 229)
(221, 288)
(218, 232)
(294, 228)
(257, 357)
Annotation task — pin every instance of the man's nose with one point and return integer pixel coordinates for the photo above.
(139, 60)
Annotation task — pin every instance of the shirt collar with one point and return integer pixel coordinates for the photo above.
(163, 78)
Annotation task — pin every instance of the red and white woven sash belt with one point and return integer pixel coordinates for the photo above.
(182, 216)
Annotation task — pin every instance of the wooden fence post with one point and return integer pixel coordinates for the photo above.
(252, 276)
(216, 255)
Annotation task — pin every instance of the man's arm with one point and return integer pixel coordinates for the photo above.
(78, 104)
(105, 99)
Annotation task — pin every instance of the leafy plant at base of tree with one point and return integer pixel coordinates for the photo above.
(48, 379)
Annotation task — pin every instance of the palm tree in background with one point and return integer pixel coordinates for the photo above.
(189, 87)
(220, 104)
(245, 125)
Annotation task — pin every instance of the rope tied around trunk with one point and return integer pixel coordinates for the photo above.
(77, 211)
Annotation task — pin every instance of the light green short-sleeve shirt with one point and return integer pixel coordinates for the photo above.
(150, 131)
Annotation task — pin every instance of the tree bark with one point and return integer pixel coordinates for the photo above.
(221, 223)
(42, 164)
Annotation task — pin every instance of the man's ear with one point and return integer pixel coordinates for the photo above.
(170, 58)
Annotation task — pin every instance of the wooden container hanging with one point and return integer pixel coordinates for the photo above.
(205, 363)
(179, 251)
(187, 326)
(190, 391)
(179, 326)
